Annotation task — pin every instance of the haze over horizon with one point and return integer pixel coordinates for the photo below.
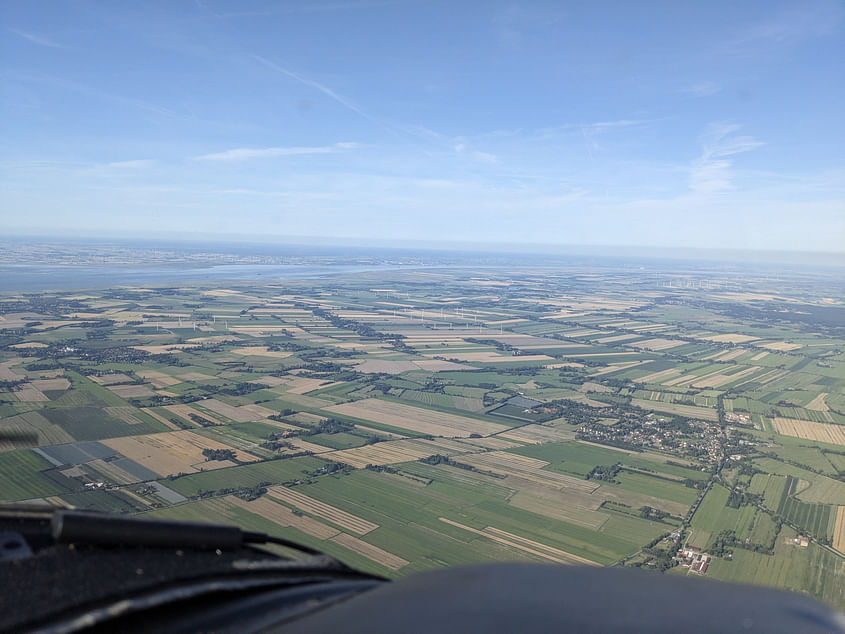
(714, 126)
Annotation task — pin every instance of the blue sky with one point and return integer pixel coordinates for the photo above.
(710, 124)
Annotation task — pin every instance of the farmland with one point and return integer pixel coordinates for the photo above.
(407, 420)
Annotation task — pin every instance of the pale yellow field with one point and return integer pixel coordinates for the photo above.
(131, 391)
(346, 521)
(397, 367)
(839, 530)
(537, 434)
(781, 346)
(28, 393)
(60, 383)
(817, 404)
(111, 379)
(392, 452)
(730, 355)
(417, 419)
(28, 345)
(172, 452)
(283, 516)
(373, 553)
(730, 338)
(760, 355)
(656, 344)
(237, 414)
(196, 377)
(691, 411)
(657, 377)
(809, 430)
(718, 380)
(158, 379)
(261, 351)
(613, 338)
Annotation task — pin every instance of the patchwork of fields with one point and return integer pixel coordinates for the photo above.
(409, 420)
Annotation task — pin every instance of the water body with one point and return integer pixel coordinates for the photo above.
(47, 277)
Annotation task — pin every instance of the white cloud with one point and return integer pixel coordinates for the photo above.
(243, 153)
(131, 164)
(711, 172)
(40, 40)
(702, 89)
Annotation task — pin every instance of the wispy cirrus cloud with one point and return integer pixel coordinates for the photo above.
(40, 40)
(711, 172)
(702, 89)
(244, 154)
(133, 164)
(349, 105)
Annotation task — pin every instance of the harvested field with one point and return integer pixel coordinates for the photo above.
(51, 385)
(377, 366)
(111, 379)
(6, 372)
(346, 521)
(270, 381)
(392, 452)
(237, 414)
(27, 393)
(781, 346)
(657, 377)
(615, 338)
(526, 545)
(493, 357)
(196, 377)
(690, 411)
(373, 553)
(730, 355)
(809, 430)
(493, 442)
(656, 344)
(258, 410)
(839, 530)
(760, 355)
(730, 338)
(48, 433)
(817, 404)
(537, 434)
(131, 391)
(173, 452)
(262, 351)
(158, 379)
(417, 419)
(717, 380)
(561, 509)
(283, 516)
(304, 445)
(28, 345)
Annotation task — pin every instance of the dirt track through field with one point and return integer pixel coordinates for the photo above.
(526, 545)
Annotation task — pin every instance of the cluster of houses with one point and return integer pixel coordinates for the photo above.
(691, 557)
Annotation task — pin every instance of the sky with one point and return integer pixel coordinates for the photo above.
(712, 124)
